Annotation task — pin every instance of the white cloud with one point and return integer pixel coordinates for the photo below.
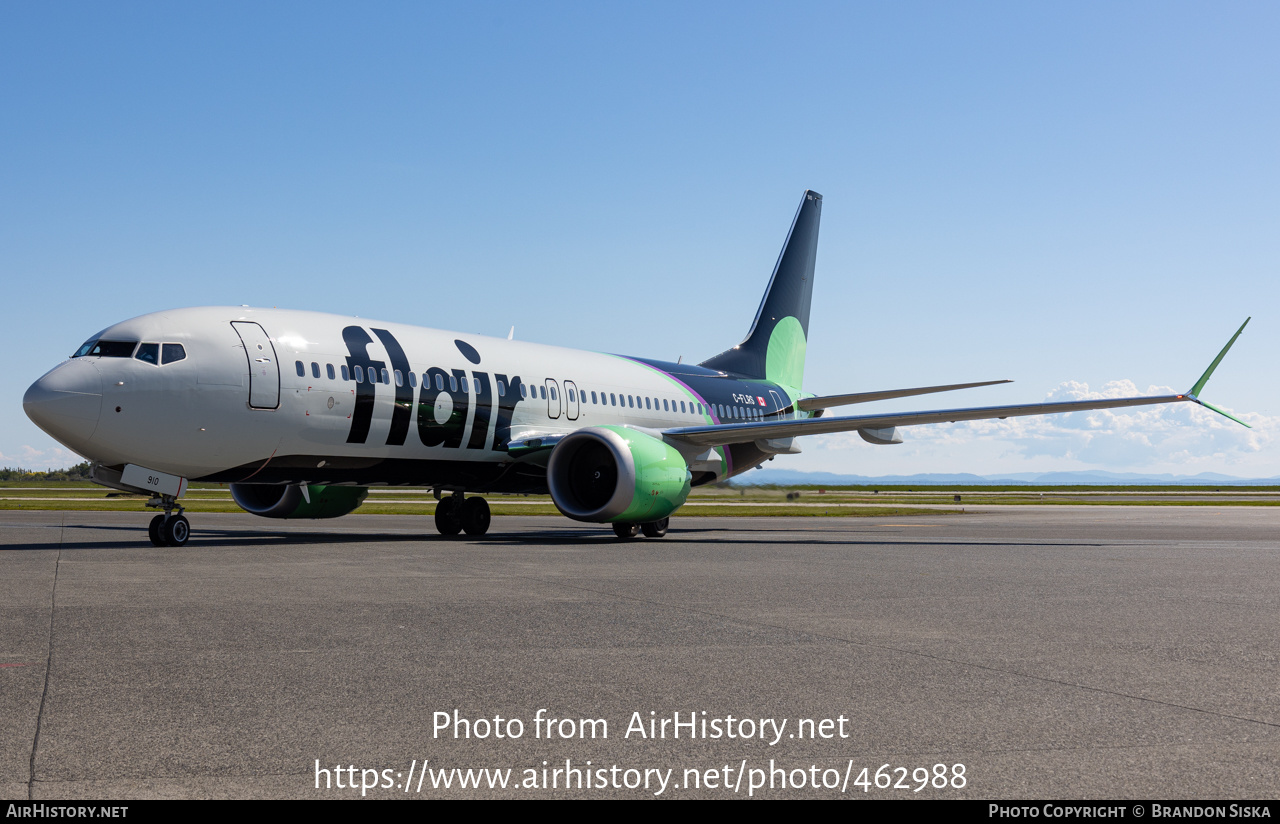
(28, 457)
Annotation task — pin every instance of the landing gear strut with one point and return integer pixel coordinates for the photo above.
(456, 514)
(168, 529)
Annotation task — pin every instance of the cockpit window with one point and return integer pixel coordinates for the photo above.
(106, 348)
(173, 352)
(149, 352)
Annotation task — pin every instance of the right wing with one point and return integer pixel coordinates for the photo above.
(876, 426)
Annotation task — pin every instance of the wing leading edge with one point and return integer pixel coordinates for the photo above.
(722, 434)
(828, 401)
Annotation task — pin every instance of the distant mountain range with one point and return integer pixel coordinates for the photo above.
(788, 477)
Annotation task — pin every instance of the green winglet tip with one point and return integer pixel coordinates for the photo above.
(1195, 390)
(1223, 414)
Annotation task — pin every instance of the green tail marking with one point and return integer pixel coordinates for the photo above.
(784, 359)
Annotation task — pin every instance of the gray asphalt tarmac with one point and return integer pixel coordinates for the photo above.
(1062, 652)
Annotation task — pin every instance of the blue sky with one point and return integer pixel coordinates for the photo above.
(1065, 194)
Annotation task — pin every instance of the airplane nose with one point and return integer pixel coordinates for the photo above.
(67, 402)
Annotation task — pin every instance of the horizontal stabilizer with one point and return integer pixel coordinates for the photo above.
(828, 401)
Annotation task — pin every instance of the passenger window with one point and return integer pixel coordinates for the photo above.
(524, 391)
(502, 389)
(466, 386)
(413, 381)
(593, 396)
(664, 405)
(328, 368)
(439, 383)
(315, 370)
(631, 401)
(572, 397)
(554, 396)
(172, 352)
(149, 353)
(399, 378)
(346, 376)
(360, 373)
(453, 383)
(386, 376)
(613, 399)
(542, 390)
(302, 370)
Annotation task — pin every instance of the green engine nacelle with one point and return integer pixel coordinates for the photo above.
(287, 501)
(611, 473)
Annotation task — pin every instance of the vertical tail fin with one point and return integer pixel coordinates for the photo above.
(774, 349)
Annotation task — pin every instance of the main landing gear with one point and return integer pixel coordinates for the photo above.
(653, 529)
(456, 514)
(168, 529)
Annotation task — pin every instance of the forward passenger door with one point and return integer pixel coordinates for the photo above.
(264, 367)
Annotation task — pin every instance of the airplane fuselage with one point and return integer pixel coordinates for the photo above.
(279, 396)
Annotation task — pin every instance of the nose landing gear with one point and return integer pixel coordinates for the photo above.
(168, 529)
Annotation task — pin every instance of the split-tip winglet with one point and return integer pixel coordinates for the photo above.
(1193, 393)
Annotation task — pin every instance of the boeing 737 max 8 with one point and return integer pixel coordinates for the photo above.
(300, 412)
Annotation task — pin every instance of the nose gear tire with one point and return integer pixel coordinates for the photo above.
(175, 531)
(153, 531)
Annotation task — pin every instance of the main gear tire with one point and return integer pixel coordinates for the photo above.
(475, 516)
(448, 520)
(655, 529)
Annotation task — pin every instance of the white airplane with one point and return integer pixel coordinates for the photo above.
(300, 412)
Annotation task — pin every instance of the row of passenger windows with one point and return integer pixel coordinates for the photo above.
(156, 353)
(538, 391)
(638, 402)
